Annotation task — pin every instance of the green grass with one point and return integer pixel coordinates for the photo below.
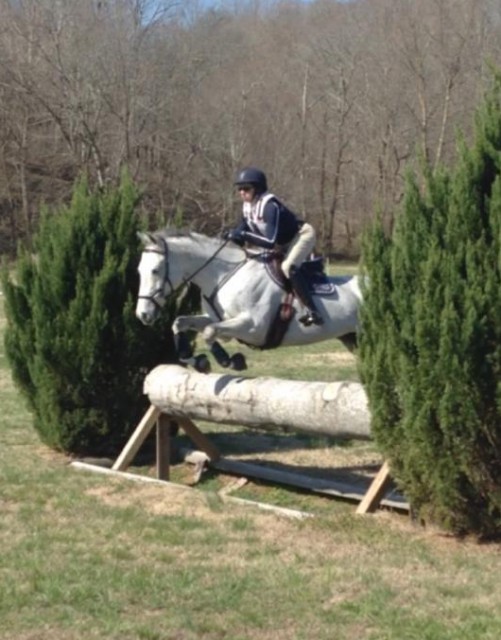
(88, 557)
(316, 362)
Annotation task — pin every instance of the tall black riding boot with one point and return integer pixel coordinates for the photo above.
(300, 286)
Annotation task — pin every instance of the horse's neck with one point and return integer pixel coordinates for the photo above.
(208, 271)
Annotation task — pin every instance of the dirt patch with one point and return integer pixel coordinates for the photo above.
(312, 458)
(338, 357)
(171, 500)
(155, 499)
(272, 527)
(50, 455)
(6, 382)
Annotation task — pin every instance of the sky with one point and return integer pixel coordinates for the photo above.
(199, 6)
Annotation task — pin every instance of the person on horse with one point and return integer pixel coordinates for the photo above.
(267, 223)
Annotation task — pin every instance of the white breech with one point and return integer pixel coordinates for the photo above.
(300, 249)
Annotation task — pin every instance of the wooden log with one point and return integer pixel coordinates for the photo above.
(337, 409)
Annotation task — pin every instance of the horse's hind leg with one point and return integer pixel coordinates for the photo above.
(350, 341)
(227, 329)
(220, 354)
(236, 361)
(231, 328)
(200, 362)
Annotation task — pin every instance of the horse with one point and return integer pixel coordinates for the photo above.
(242, 297)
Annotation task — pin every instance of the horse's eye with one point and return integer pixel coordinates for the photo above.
(155, 272)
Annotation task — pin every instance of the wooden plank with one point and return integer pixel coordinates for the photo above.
(376, 491)
(85, 466)
(163, 447)
(279, 476)
(331, 487)
(334, 488)
(136, 440)
(369, 500)
(283, 511)
(198, 438)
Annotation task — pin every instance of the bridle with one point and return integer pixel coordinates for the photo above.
(158, 298)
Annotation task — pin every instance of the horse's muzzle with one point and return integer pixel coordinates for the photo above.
(146, 318)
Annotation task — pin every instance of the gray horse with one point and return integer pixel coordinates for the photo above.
(242, 298)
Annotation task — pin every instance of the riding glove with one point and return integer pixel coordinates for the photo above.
(235, 236)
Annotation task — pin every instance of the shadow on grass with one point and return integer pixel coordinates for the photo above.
(253, 441)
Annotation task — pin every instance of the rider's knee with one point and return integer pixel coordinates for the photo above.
(288, 268)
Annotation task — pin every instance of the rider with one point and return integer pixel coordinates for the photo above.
(269, 224)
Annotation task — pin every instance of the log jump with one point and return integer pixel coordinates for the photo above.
(337, 409)
(180, 395)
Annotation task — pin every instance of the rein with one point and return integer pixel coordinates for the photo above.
(166, 280)
(207, 262)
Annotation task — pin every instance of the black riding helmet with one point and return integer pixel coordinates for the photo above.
(253, 176)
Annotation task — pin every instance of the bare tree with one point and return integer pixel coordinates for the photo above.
(333, 100)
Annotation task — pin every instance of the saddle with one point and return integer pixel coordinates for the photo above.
(318, 283)
(312, 270)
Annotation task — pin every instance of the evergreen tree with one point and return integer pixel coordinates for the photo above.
(76, 349)
(430, 353)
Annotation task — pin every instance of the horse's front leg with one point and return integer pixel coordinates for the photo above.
(191, 323)
(183, 345)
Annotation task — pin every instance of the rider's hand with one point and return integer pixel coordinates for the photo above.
(235, 236)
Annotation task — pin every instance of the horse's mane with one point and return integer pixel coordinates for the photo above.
(174, 232)
(185, 232)
(231, 250)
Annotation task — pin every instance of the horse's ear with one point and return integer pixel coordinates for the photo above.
(146, 238)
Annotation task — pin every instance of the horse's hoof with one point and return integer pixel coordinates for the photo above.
(202, 363)
(238, 362)
(187, 362)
